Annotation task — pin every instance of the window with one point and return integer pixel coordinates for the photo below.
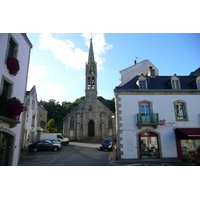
(180, 110)
(198, 85)
(175, 82)
(191, 146)
(12, 47)
(5, 93)
(198, 82)
(142, 82)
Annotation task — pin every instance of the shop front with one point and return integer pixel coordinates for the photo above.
(188, 142)
(148, 146)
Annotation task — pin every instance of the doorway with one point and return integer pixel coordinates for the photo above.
(91, 128)
(6, 149)
(148, 146)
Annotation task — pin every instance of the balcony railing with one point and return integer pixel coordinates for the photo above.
(150, 119)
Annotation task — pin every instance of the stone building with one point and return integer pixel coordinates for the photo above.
(90, 118)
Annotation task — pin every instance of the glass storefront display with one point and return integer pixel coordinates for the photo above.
(190, 146)
(148, 146)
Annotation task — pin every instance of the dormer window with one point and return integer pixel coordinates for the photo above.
(198, 82)
(142, 85)
(175, 82)
(142, 82)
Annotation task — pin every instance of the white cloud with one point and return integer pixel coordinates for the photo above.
(65, 51)
(36, 75)
(54, 92)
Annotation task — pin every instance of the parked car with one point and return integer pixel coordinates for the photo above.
(55, 141)
(106, 144)
(44, 145)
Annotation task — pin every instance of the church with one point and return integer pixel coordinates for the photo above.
(91, 118)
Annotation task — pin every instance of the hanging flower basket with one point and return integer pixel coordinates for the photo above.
(13, 65)
(14, 107)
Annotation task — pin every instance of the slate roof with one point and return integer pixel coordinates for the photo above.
(161, 82)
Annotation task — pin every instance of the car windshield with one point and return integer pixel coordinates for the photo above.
(106, 141)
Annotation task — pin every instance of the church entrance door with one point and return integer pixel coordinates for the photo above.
(91, 128)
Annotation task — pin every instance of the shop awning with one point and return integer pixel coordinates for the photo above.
(192, 133)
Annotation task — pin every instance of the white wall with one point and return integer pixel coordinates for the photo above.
(132, 71)
(20, 80)
(163, 105)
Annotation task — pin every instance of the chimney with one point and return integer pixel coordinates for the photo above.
(135, 62)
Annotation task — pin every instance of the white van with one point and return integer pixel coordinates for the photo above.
(53, 136)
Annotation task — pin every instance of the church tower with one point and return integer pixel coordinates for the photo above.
(91, 76)
(91, 119)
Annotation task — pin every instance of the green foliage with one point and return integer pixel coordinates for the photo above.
(50, 123)
(108, 103)
(52, 130)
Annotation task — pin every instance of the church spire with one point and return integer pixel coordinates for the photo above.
(91, 75)
(91, 53)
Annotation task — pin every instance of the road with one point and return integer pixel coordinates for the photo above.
(73, 154)
(80, 154)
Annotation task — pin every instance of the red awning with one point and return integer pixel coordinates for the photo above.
(193, 133)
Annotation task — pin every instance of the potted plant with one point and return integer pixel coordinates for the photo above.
(14, 107)
(188, 160)
(13, 65)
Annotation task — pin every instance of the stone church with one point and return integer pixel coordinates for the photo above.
(91, 118)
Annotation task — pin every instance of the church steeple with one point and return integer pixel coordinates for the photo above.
(91, 75)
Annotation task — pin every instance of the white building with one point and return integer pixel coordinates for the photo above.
(158, 117)
(30, 134)
(13, 84)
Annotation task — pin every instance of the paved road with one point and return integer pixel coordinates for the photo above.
(74, 154)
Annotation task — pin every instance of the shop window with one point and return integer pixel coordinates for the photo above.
(190, 146)
(180, 110)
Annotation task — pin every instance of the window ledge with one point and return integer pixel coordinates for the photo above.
(12, 122)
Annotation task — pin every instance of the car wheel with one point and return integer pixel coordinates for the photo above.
(101, 149)
(64, 143)
(35, 150)
(55, 149)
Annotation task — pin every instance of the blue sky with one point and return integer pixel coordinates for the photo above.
(57, 64)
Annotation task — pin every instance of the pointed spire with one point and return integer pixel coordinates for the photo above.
(91, 53)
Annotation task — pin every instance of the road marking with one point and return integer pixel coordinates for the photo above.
(55, 158)
(166, 164)
(145, 164)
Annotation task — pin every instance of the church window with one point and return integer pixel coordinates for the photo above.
(93, 81)
(88, 81)
(72, 123)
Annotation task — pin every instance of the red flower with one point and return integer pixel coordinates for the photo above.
(14, 107)
(13, 65)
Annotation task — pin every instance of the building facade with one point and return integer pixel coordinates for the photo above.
(90, 118)
(34, 119)
(158, 117)
(15, 51)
